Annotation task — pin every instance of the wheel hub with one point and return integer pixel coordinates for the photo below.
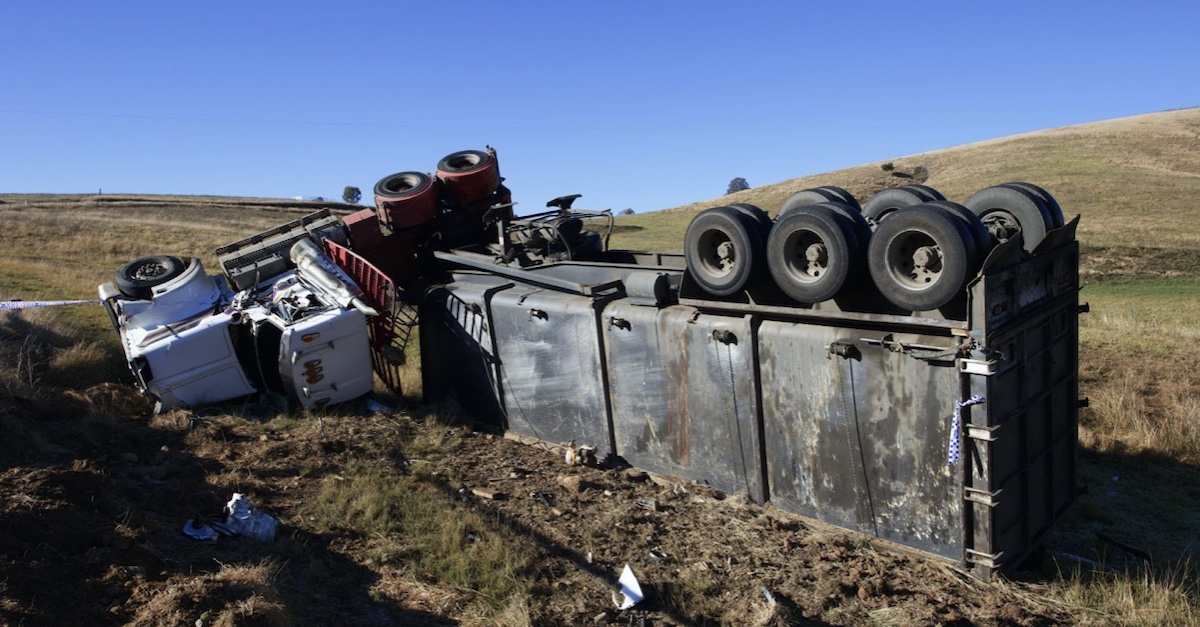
(149, 270)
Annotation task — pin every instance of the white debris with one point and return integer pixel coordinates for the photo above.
(246, 520)
(631, 590)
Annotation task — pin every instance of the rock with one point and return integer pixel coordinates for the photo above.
(574, 483)
(601, 618)
(636, 475)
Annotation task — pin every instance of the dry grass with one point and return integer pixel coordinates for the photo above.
(416, 521)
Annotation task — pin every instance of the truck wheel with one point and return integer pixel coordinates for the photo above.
(469, 176)
(843, 196)
(138, 278)
(817, 195)
(724, 250)
(919, 258)
(1052, 207)
(1006, 211)
(932, 193)
(811, 253)
(405, 199)
(984, 242)
(886, 202)
(756, 213)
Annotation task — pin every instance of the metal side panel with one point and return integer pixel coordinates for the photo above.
(458, 355)
(857, 433)
(683, 396)
(551, 375)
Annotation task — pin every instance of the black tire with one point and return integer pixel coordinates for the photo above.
(464, 161)
(812, 252)
(1055, 211)
(1006, 211)
(138, 278)
(918, 258)
(806, 198)
(859, 225)
(842, 195)
(757, 214)
(984, 241)
(724, 250)
(402, 185)
(886, 202)
(932, 193)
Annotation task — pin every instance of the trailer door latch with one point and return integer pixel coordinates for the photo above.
(845, 349)
(724, 336)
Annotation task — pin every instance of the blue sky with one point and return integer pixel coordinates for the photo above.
(643, 105)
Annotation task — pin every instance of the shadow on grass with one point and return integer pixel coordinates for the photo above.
(1136, 515)
(92, 506)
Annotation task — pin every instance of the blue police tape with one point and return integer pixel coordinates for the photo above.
(6, 305)
(956, 427)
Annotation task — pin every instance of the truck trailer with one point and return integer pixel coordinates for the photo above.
(904, 368)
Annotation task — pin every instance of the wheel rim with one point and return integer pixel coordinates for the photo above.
(1001, 224)
(915, 260)
(718, 254)
(807, 257)
(149, 270)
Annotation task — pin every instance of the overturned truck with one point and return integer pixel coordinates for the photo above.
(905, 368)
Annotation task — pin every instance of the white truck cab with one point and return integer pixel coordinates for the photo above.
(283, 319)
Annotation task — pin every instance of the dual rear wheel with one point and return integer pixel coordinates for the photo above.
(919, 249)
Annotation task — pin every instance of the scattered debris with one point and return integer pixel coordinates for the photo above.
(629, 588)
(580, 455)
(650, 504)
(657, 557)
(246, 520)
(494, 495)
(200, 531)
(377, 407)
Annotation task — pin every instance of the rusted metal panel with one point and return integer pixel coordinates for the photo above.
(857, 431)
(683, 394)
(551, 369)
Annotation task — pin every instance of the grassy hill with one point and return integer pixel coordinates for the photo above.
(1135, 180)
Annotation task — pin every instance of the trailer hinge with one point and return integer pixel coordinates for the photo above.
(983, 497)
(619, 323)
(540, 314)
(985, 367)
(987, 560)
(983, 434)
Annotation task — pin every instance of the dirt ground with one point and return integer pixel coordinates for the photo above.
(95, 494)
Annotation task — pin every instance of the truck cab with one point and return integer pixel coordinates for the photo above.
(282, 320)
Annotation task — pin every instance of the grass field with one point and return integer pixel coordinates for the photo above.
(1135, 181)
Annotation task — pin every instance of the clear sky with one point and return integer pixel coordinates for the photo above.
(644, 105)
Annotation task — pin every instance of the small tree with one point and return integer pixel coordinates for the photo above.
(920, 173)
(351, 194)
(626, 212)
(888, 167)
(737, 185)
